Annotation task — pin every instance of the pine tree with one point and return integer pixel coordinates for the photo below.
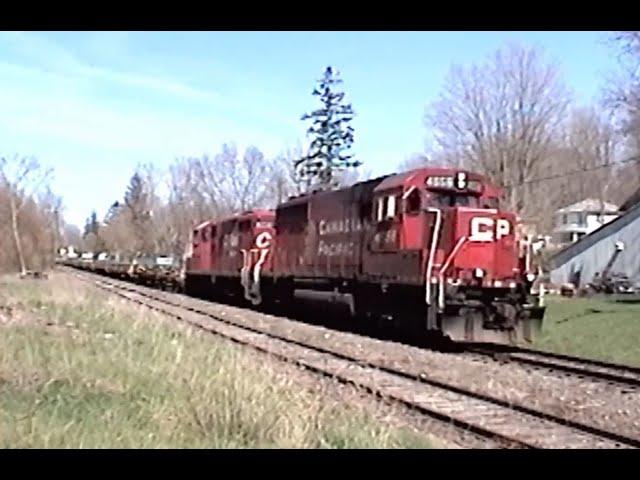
(332, 136)
(91, 225)
(91, 236)
(134, 197)
(113, 212)
(137, 202)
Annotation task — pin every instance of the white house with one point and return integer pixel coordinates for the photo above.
(575, 221)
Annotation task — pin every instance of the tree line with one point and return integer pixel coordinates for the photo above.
(159, 209)
(30, 215)
(509, 116)
(513, 118)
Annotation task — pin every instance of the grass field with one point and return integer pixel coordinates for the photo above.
(594, 328)
(81, 370)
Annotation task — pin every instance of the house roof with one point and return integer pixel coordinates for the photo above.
(589, 205)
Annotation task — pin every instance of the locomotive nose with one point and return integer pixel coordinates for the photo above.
(487, 241)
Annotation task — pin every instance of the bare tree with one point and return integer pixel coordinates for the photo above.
(346, 178)
(591, 143)
(417, 160)
(51, 209)
(285, 179)
(501, 118)
(235, 184)
(21, 177)
(622, 95)
(71, 236)
(189, 203)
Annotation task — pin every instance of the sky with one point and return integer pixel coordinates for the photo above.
(93, 105)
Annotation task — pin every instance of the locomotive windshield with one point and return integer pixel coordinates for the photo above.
(455, 199)
(442, 199)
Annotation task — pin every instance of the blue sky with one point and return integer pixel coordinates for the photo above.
(95, 104)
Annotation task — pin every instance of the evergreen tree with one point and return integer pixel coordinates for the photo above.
(91, 225)
(137, 202)
(332, 137)
(113, 212)
(91, 236)
(134, 197)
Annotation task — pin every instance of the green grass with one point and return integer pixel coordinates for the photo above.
(81, 370)
(594, 328)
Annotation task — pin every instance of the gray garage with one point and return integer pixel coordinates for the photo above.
(579, 262)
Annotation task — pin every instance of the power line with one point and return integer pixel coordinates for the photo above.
(633, 159)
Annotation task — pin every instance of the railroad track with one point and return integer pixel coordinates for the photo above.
(623, 376)
(508, 425)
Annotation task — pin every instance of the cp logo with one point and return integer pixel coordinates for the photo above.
(485, 229)
(263, 240)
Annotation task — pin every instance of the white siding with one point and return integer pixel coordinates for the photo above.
(594, 222)
(593, 255)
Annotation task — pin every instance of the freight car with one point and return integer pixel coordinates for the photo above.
(161, 271)
(429, 250)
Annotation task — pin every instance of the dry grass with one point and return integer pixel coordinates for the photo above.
(79, 369)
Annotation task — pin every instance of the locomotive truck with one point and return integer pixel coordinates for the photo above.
(430, 250)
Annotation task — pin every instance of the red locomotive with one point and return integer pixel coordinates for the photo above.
(428, 249)
(231, 256)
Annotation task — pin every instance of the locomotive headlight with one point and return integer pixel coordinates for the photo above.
(478, 273)
(531, 277)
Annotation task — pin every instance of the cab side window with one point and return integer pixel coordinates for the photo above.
(391, 207)
(412, 202)
(387, 208)
(380, 208)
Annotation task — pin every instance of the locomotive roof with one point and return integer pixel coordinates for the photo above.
(203, 224)
(386, 182)
(257, 213)
(305, 197)
(419, 176)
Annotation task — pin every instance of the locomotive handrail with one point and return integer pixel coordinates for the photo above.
(435, 237)
(449, 259)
